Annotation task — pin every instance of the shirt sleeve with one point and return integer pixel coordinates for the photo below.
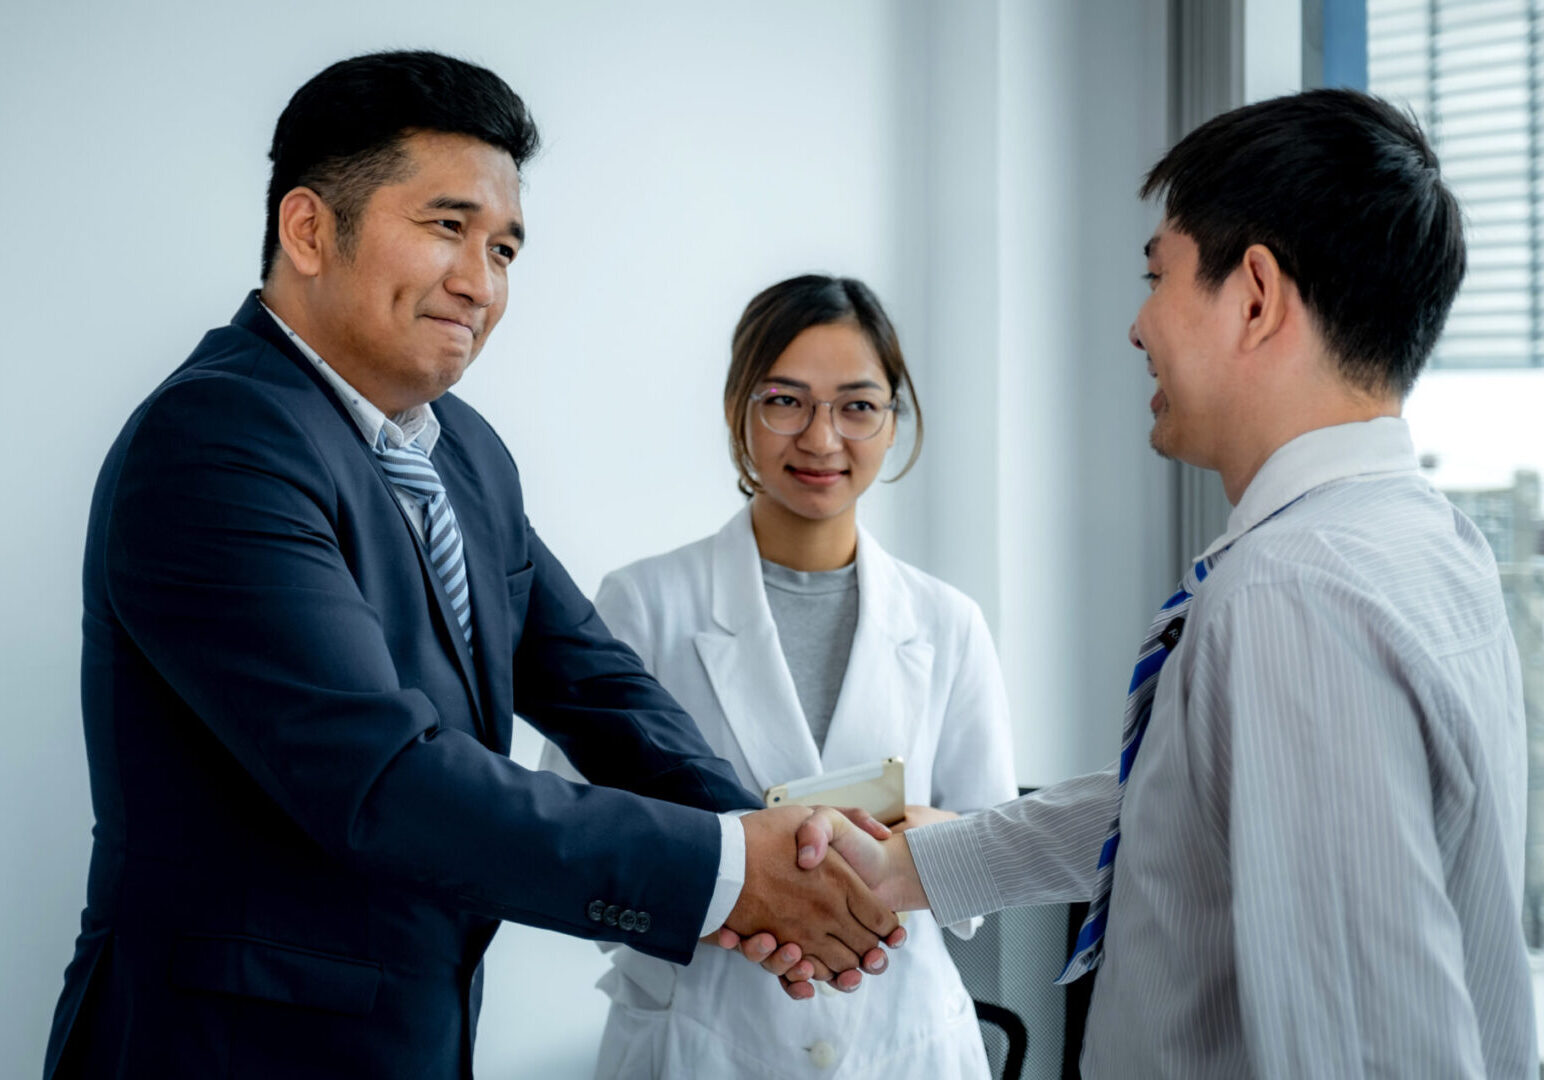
(731, 872)
(1039, 849)
(1350, 956)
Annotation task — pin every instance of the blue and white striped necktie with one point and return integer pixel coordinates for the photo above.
(1162, 638)
(413, 474)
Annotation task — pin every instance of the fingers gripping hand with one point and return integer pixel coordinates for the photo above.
(786, 962)
(847, 981)
(885, 866)
(826, 829)
(826, 910)
(866, 821)
(797, 982)
(875, 960)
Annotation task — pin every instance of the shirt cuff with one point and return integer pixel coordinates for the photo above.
(953, 870)
(966, 929)
(731, 871)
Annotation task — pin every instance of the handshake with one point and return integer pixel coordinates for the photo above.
(821, 891)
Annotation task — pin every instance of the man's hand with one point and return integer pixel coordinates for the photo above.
(915, 816)
(786, 960)
(827, 912)
(884, 865)
(789, 966)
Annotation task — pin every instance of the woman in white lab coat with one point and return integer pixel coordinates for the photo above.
(817, 387)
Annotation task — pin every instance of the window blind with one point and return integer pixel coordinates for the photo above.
(1470, 71)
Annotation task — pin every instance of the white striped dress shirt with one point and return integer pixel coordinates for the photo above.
(1320, 870)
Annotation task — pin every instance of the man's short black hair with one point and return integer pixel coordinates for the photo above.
(1345, 191)
(342, 133)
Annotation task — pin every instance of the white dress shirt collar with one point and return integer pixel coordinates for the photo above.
(416, 424)
(1365, 448)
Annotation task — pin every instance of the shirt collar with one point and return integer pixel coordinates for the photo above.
(1317, 457)
(418, 424)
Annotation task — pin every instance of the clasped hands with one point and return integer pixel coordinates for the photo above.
(821, 891)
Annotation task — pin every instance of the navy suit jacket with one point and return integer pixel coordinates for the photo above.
(307, 822)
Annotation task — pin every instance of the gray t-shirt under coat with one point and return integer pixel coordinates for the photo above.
(816, 614)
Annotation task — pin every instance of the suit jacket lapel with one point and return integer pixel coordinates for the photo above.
(252, 317)
(491, 631)
(745, 664)
(463, 492)
(888, 672)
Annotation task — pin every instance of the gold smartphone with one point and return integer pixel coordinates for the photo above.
(879, 788)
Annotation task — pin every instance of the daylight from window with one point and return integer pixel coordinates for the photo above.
(1473, 73)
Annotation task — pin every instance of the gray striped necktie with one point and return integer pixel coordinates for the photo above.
(413, 474)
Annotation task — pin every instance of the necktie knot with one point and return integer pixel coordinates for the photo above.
(410, 469)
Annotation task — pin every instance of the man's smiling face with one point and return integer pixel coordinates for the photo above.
(1186, 330)
(410, 304)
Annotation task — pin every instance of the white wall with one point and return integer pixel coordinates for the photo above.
(1043, 499)
(975, 162)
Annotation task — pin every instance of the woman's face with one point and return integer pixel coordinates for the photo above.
(817, 474)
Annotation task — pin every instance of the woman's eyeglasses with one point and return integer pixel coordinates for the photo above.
(857, 415)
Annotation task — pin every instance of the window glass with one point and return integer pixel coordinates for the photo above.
(1472, 71)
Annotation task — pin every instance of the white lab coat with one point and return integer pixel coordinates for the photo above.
(922, 682)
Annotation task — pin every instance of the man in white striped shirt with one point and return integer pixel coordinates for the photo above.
(1320, 840)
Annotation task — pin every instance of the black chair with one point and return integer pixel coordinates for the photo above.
(1032, 1028)
(1016, 1037)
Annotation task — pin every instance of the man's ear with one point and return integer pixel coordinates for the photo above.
(307, 230)
(1265, 295)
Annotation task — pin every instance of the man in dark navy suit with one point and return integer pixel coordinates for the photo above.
(313, 603)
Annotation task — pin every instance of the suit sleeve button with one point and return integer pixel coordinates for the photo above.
(595, 910)
(643, 922)
(611, 914)
(628, 919)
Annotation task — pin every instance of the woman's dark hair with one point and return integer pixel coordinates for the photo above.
(1345, 191)
(781, 313)
(342, 133)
